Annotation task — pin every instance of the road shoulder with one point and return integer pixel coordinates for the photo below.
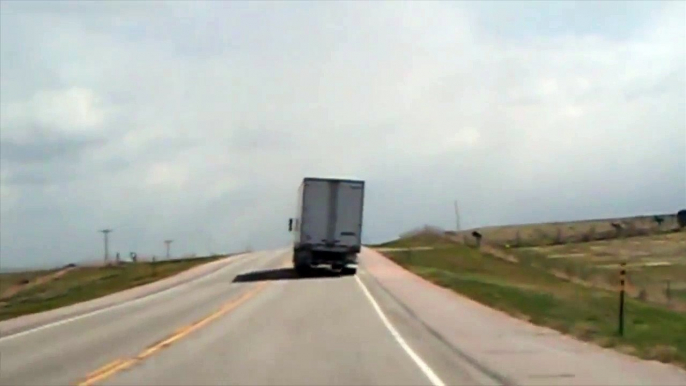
(452, 365)
(520, 352)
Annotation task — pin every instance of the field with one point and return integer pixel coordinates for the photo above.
(24, 293)
(571, 286)
(656, 265)
(572, 232)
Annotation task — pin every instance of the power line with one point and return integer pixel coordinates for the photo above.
(106, 233)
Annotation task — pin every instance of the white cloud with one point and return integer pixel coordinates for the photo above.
(206, 123)
(70, 111)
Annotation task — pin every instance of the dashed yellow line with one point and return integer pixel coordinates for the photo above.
(118, 365)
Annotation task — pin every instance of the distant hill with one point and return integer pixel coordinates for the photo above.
(552, 233)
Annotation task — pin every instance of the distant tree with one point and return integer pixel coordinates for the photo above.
(477, 237)
(618, 228)
(659, 220)
(668, 291)
(542, 237)
(643, 294)
(681, 218)
(589, 235)
(558, 236)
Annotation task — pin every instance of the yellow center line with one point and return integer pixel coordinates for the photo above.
(121, 364)
(105, 368)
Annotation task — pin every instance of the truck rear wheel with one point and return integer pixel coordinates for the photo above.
(348, 271)
(302, 270)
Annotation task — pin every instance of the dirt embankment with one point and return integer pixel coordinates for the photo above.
(25, 284)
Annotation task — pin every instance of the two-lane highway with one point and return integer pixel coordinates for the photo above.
(253, 322)
(64, 353)
(319, 331)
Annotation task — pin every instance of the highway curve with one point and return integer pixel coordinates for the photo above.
(253, 322)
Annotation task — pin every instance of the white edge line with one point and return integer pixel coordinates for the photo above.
(435, 380)
(128, 302)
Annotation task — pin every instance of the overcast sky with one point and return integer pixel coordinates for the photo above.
(197, 121)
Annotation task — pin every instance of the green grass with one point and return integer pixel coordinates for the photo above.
(534, 294)
(86, 283)
(679, 294)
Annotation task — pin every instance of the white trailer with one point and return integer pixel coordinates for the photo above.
(327, 229)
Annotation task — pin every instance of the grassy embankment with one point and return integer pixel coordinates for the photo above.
(656, 264)
(24, 293)
(532, 292)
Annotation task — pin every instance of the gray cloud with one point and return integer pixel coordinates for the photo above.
(45, 148)
(198, 122)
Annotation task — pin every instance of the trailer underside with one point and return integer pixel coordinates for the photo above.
(344, 263)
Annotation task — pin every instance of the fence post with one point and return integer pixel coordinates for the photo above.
(622, 282)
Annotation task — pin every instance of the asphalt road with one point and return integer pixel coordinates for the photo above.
(259, 324)
(254, 322)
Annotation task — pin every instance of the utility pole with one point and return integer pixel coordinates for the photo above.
(210, 245)
(106, 232)
(457, 218)
(168, 242)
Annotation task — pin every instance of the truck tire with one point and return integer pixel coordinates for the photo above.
(349, 271)
(302, 270)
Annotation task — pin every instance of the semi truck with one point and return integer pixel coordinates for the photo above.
(327, 228)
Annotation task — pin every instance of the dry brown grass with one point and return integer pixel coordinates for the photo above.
(652, 251)
(584, 330)
(589, 252)
(569, 232)
(663, 353)
(608, 342)
(30, 280)
(656, 265)
(626, 349)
